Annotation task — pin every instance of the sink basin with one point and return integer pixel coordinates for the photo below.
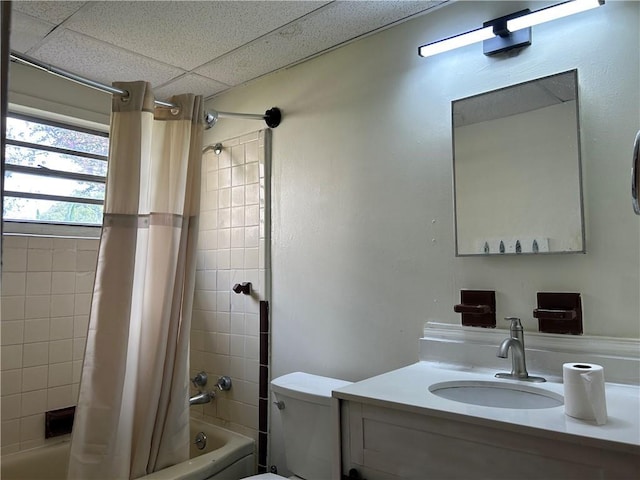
(496, 394)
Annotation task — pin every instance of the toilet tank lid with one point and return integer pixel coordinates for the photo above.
(306, 386)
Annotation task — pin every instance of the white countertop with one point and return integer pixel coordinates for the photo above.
(408, 389)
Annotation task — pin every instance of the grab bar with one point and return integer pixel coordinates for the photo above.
(635, 175)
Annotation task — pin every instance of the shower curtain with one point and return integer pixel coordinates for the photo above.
(132, 416)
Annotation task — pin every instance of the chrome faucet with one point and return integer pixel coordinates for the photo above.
(201, 397)
(200, 381)
(515, 343)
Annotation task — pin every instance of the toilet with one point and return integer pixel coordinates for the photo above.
(304, 402)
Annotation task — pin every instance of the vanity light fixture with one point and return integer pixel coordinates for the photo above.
(217, 148)
(511, 31)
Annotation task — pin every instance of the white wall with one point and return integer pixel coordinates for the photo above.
(363, 247)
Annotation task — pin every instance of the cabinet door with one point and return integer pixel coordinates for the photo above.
(383, 443)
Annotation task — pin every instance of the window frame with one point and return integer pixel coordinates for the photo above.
(40, 227)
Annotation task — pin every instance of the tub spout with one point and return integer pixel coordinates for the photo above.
(202, 397)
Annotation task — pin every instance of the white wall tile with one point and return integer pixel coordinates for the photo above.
(11, 407)
(36, 330)
(33, 402)
(251, 258)
(223, 344)
(237, 155)
(14, 283)
(82, 304)
(252, 324)
(62, 305)
(63, 282)
(11, 357)
(12, 332)
(211, 180)
(237, 237)
(237, 258)
(60, 351)
(35, 354)
(237, 323)
(238, 195)
(10, 434)
(38, 283)
(223, 258)
(60, 374)
(61, 328)
(252, 173)
(60, 397)
(86, 260)
(39, 260)
(34, 378)
(78, 348)
(236, 367)
(251, 236)
(64, 260)
(224, 198)
(80, 326)
(224, 239)
(41, 242)
(11, 382)
(84, 282)
(14, 260)
(238, 216)
(88, 244)
(77, 371)
(251, 347)
(252, 215)
(224, 218)
(237, 175)
(252, 194)
(32, 427)
(224, 178)
(13, 308)
(64, 244)
(223, 322)
(37, 306)
(15, 241)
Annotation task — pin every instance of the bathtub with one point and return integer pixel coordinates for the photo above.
(227, 455)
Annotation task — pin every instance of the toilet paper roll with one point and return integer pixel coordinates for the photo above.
(584, 392)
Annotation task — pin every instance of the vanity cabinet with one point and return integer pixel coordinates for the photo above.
(382, 442)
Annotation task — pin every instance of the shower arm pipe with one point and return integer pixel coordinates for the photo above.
(272, 117)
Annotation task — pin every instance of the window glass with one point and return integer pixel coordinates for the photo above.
(54, 173)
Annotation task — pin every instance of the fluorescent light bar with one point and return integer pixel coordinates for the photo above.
(461, 40)
(552, 13)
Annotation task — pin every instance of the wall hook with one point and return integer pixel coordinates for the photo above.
(244, 287)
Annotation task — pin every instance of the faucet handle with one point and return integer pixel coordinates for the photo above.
(200, 380)
(515, 321)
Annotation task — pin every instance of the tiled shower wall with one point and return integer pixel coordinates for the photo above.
(225, 332)
(46, 295)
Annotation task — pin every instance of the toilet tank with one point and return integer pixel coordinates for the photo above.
(306, 422)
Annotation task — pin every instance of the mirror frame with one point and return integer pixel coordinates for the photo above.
(579, 170)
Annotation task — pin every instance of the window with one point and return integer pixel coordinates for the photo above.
(54, 173)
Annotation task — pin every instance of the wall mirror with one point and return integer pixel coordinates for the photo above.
(516, 168)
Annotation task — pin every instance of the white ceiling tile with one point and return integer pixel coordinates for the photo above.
(306, 37)
(101, 61)
(27, 31)
(186, 34)
(190, 83)
(51, 11)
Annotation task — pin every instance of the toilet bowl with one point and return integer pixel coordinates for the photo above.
(304, 403)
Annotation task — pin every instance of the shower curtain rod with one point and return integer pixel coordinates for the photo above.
(272, 117)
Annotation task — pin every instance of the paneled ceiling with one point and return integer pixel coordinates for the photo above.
(203, 47)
